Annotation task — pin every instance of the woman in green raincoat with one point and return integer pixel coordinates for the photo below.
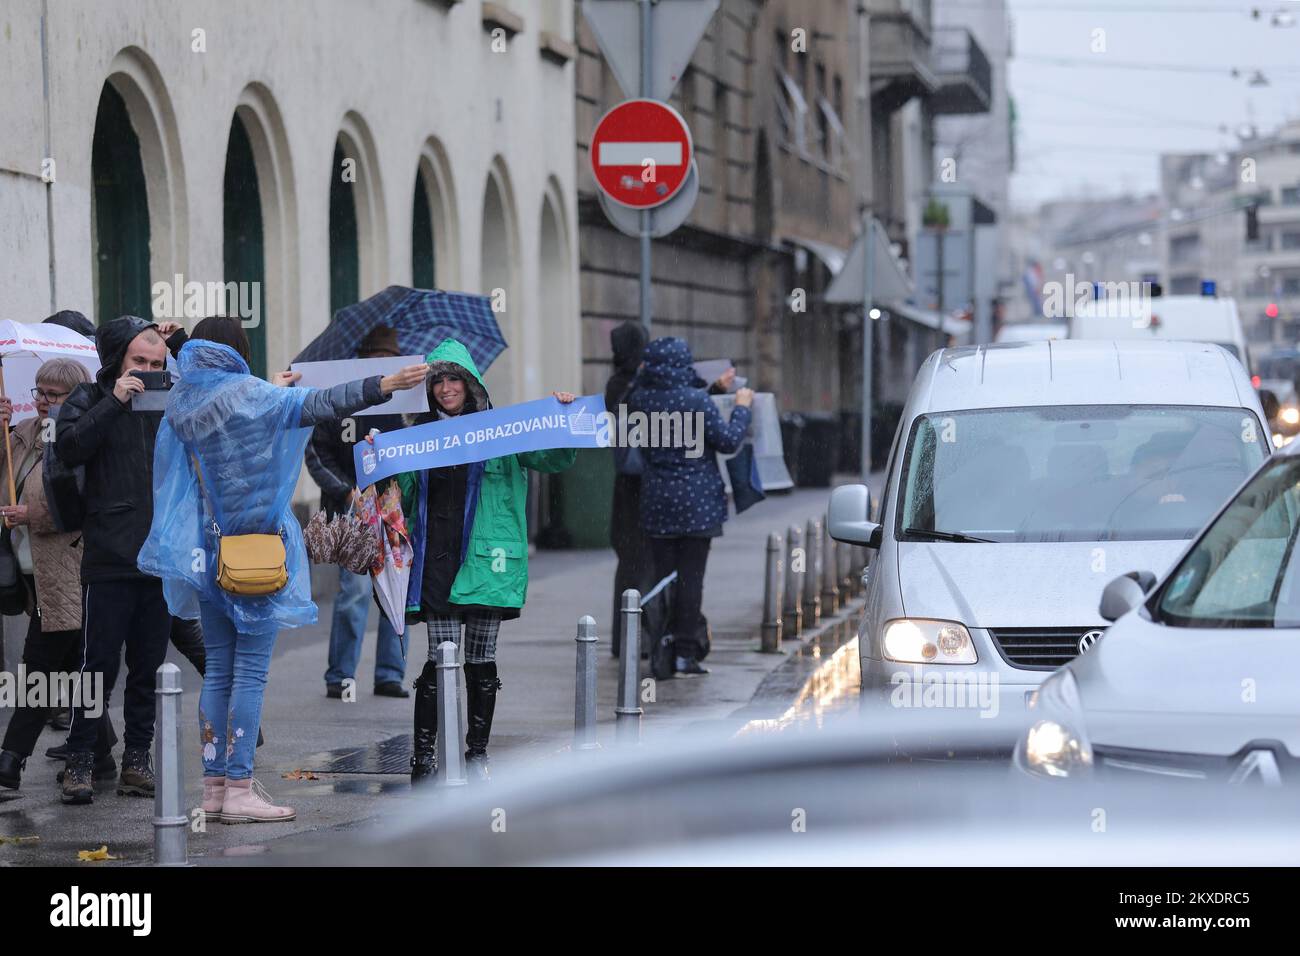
(469, 569)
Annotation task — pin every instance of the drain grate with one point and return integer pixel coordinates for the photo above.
(392, 755)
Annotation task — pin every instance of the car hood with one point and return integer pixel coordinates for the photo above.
(1055, 584)
(1190, 690)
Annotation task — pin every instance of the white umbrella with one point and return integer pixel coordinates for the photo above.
(23, 347)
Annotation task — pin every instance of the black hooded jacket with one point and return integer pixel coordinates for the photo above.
(628, 342)
(116, 446)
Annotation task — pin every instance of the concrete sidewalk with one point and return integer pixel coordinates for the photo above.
(357, 752)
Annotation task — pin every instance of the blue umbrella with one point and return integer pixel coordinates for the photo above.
(422, 319)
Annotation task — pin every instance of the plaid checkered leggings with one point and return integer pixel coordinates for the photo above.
(481, 629)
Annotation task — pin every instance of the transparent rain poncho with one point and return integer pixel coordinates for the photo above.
(246, 434)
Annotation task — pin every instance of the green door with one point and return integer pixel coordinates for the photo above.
(345, 263)
(244, 259)
(120, 214)
(422, 262)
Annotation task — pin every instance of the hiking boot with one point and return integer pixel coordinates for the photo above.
(391, 688)
(11, 769)
(137, 774)
(105, 769)
(246, 802)
(77, 782)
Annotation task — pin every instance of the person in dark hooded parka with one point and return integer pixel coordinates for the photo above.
(683, 499)
(635, 562)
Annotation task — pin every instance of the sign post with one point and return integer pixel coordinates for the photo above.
(647, 44)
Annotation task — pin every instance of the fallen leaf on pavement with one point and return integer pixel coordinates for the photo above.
(299, 775)
(93, 856)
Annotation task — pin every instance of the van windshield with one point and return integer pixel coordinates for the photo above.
(1074, 473)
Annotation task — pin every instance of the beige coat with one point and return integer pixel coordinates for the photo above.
(56, 557)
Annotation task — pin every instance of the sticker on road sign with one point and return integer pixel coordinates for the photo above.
(641, 153)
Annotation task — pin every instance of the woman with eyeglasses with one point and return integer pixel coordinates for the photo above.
(51, 565)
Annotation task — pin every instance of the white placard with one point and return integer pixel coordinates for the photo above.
(328, 374)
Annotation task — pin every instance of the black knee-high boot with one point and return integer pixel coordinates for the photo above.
(481, 685)
(424, 742)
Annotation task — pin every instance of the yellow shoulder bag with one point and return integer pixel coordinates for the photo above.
(248, 565)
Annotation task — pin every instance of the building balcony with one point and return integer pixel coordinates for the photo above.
(964, 73)
(901, 67)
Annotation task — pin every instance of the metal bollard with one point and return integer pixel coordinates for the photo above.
(171, 825)
(796, 557)
(773, 594)
(812, 579)
(584, 698)
(451, 761)
(861, 557)
(830, 574)
(627, 713)
(848, 587)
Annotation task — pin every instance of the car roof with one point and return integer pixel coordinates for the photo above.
(1082, 372)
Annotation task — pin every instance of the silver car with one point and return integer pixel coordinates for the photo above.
(1023, 477)
(1195, 680)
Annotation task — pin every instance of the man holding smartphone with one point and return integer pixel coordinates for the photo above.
(121, 606)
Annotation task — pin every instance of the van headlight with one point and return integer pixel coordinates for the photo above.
(913, 641)
(1056, 744)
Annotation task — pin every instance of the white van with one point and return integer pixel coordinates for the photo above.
(1186, 318)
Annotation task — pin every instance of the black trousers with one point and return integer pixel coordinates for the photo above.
(116, 613)
(688, 557)
(47, 653)
(636, 569)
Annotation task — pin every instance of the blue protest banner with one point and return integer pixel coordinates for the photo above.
(529, 426)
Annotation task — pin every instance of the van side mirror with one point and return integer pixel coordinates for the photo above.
(1125, 593)
(848, 517)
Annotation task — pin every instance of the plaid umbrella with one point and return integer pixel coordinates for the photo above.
(422, 319)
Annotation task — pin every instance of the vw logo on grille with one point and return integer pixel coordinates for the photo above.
(1089, 639)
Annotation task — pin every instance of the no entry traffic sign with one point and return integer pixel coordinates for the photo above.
(641, 153)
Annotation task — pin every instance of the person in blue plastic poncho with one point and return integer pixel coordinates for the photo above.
(248, 437)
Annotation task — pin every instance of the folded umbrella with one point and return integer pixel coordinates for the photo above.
(422, 318)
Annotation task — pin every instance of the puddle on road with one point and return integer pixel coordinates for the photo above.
(829, 688)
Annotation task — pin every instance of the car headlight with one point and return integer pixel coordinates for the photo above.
(1290, 415)
(1056, 745)
(914, 641)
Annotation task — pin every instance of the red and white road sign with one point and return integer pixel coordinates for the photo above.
(641, 153)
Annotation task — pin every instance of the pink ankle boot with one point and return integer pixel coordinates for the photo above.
(214, 793)
(246, 802)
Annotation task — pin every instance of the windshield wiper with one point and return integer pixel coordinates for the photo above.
(947, 536)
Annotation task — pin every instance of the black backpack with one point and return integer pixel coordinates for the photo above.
(64, 491)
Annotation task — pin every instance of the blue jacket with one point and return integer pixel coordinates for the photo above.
(681, 494)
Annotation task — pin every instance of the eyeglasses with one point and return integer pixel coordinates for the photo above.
(39, 394)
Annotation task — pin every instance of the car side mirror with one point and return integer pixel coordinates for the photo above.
(848, 517)
(1125, 593)
(1268, 401)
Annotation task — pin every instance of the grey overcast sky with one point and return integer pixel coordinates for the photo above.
(1096, 128)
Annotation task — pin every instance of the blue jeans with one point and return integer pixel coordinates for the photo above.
(351, 608)
(230, 705)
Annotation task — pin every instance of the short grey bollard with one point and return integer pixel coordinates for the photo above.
(451, 760)
(773, 593)
(584, 697)
(792, 606)
(171, 825)
(812, 579)
(860, 559)
(627, 712)
(830, 573)
(848, 586)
